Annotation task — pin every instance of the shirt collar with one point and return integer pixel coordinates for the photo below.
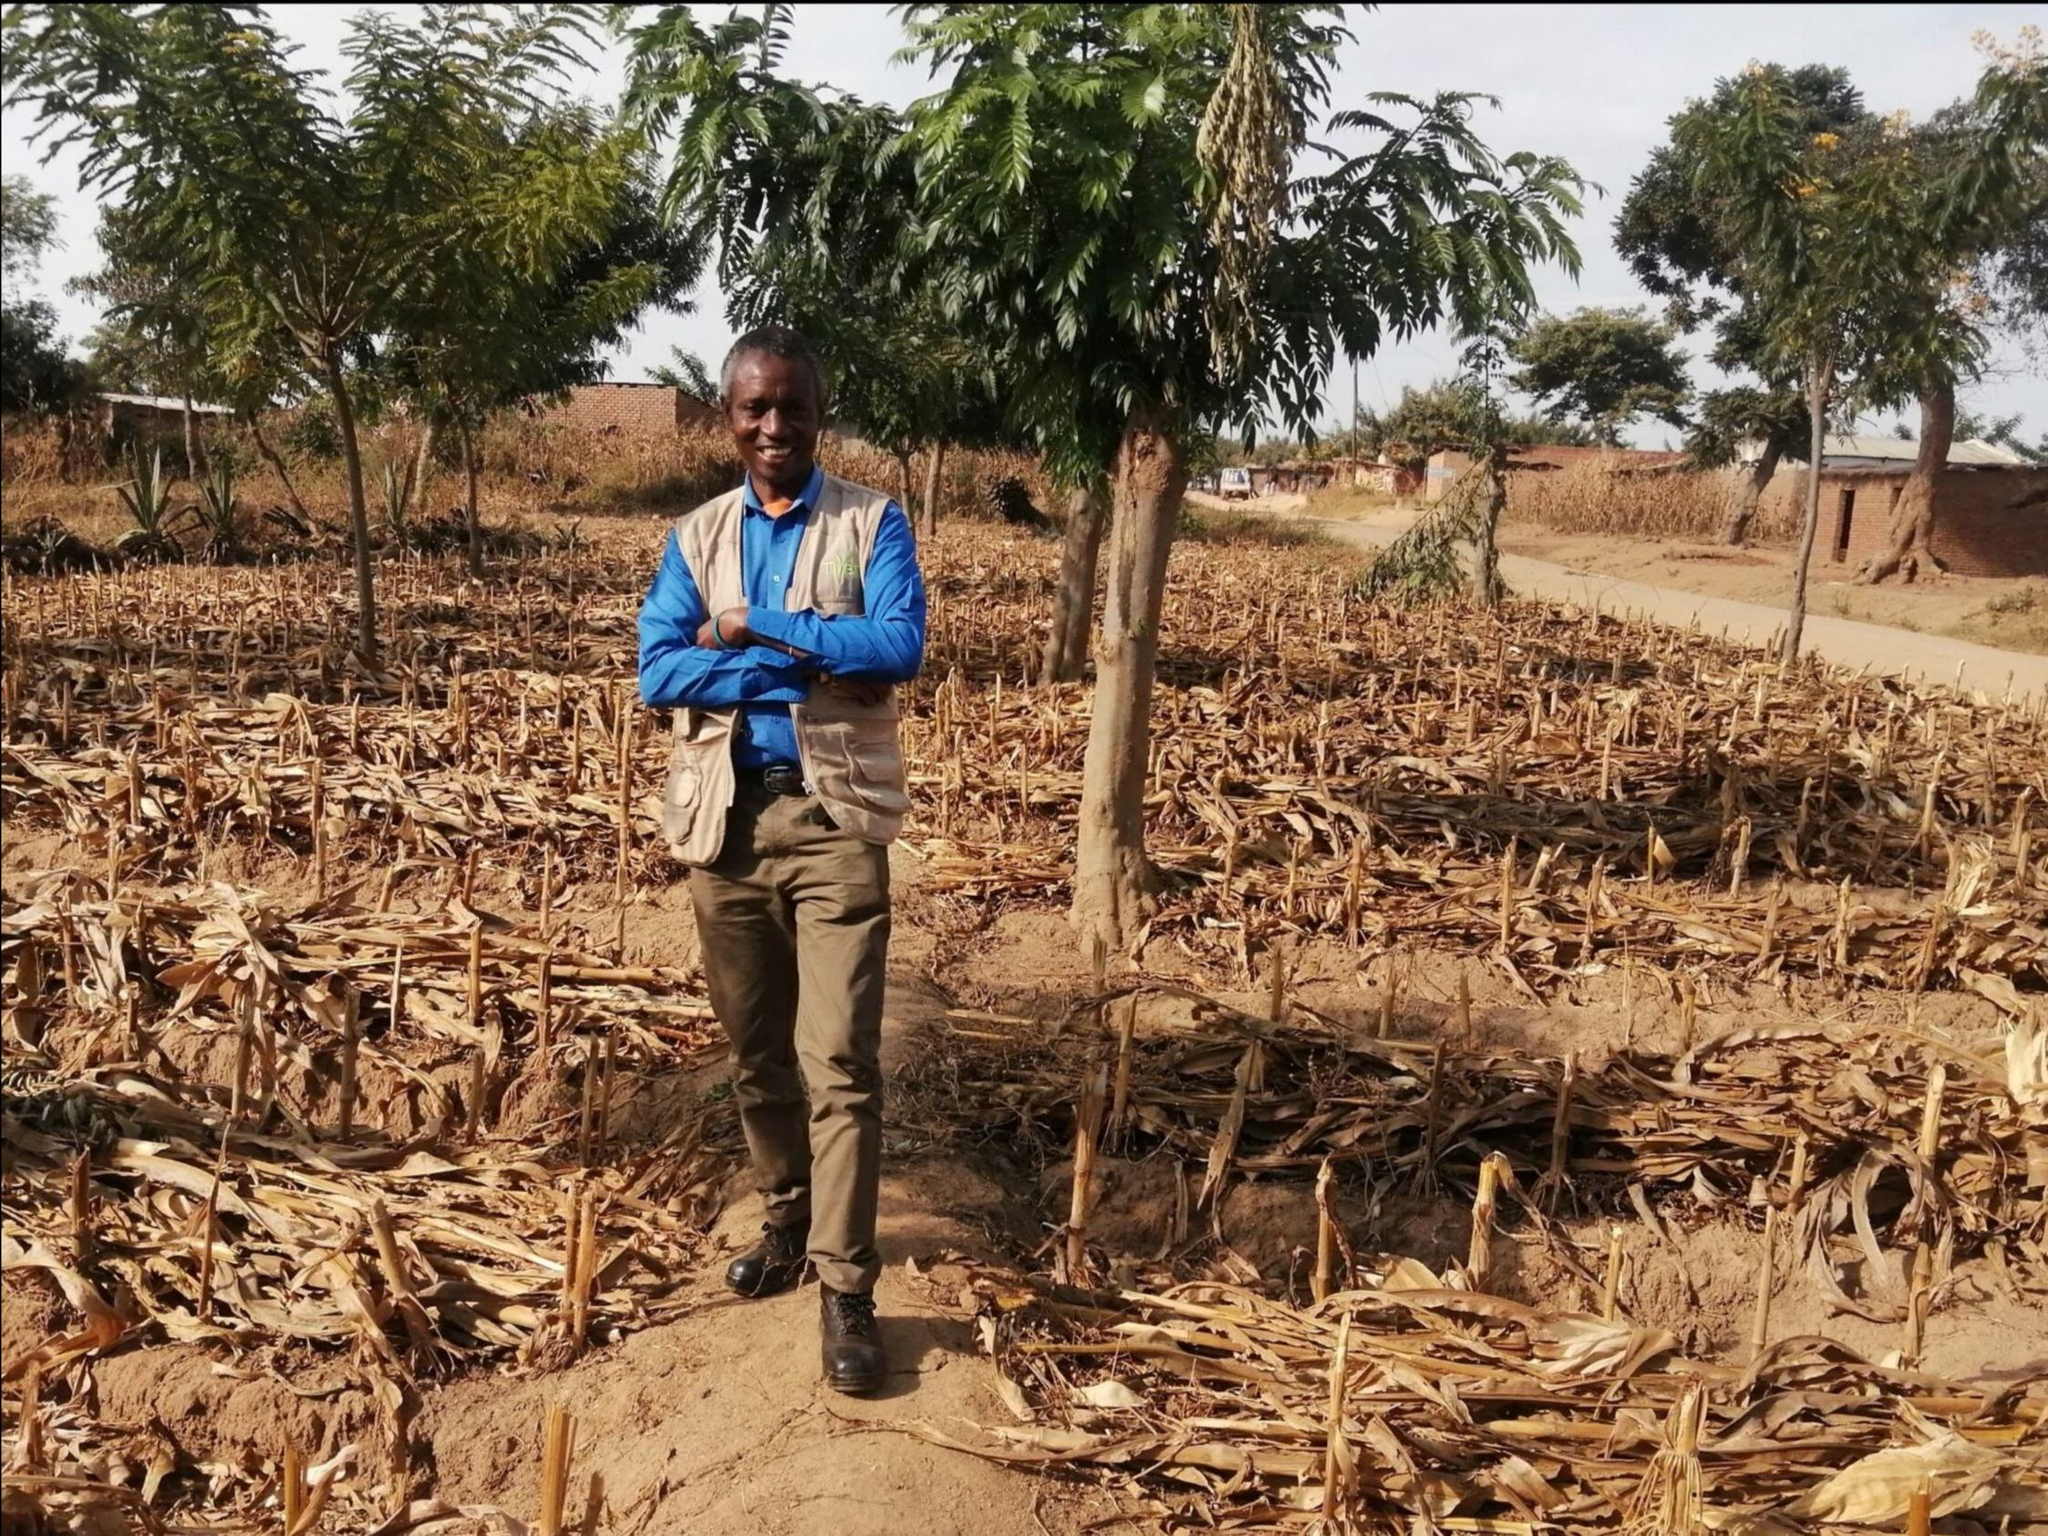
(806, 500)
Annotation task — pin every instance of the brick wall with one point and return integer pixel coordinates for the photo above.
(640, 410)
(1987, 522)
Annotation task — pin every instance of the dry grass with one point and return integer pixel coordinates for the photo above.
(541, 470)
(1586, 498)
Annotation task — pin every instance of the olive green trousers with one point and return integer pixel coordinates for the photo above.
(794, 920)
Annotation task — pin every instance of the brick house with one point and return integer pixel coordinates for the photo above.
(1989, 519)
(152, 418)
(633, 409)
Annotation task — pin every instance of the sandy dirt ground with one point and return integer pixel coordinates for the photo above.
(2009, 614)
(1718, 590)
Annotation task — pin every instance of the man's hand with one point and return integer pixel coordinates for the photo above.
(729, 631)
(725, 631)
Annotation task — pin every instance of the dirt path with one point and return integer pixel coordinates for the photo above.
(1846, 642)
(718, 1422)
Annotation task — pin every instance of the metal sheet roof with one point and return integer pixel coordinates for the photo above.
(166, 403)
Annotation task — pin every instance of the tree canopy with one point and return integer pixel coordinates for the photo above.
(34, 370)
(1451, 413)
(299, 228)
(1602, 368)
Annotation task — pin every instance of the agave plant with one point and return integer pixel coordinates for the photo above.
(147, 496)
(216, 512)
(567, 538)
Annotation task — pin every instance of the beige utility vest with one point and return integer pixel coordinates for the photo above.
(852, 755)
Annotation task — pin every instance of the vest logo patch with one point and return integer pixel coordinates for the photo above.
(842, 568)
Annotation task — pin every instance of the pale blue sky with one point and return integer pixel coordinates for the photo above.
(1592, 83)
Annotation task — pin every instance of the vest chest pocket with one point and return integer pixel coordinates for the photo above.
(836, 589)
(839, 601)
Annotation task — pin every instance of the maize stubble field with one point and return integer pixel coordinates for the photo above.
(1579, 1076)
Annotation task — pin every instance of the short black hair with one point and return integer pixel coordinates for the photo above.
(772, 341)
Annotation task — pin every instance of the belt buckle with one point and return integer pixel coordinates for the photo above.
(781, 779)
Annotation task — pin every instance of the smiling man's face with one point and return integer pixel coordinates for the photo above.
(773, 411)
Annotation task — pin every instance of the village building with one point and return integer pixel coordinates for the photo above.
(151, 418)
(633, 408)
(1990, 505)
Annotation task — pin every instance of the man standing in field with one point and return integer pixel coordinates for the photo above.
(783, 616)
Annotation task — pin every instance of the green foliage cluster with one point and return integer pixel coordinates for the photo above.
(457, 234)
(1602, 368)
(35, 373)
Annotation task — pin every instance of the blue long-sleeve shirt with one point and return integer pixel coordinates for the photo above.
(883, 645)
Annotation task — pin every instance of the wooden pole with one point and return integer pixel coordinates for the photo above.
(1087, 1126)
(1126, 1051)
(1479, 1248)
(1760, 1327)
(1326, 1236)
(1610, 1292)
(557, 1444)
(543, 1018)
(351, 1031)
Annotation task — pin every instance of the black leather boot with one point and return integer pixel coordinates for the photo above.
(775, 1265)
(852, 1340)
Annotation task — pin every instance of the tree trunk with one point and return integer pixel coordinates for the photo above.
(1066, 648)
(476, 528)
(416, 491)
(1113, 881)
(1751, 494)
(931, 488)
(191, 444)
(903, 498)
(1910, 548)
(1820, 378)
(1486, 557)
(358, 509)
(284, 475)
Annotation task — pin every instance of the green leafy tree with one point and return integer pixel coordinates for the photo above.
(810, 194)
(1847, 248)
(35, 372)
(1602, 368)
(1451, 413)
(1110, 197)
(155, 339)
(1729, 423)
(1683, 254)
(529, 307)
(295, 220)
(1113, 192)
(1970, 192)
(685, 370)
